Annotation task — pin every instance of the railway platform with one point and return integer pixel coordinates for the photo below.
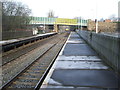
(8, 45)
(79, 67)
(21, 39)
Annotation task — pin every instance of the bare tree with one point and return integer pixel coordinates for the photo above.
(51, 13)
(14, 15)
(102, 19)
(0, 19)
(113, 17)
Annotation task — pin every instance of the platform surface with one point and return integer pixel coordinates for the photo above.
(20, 39)
(78, 66)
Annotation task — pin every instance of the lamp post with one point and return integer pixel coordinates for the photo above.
(44, 23)
(118, 27)
(78, 23)
(81, 22)
(96, 21)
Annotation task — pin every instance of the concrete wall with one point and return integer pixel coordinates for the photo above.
(107, 46)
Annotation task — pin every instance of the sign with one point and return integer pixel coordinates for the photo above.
(64, 21)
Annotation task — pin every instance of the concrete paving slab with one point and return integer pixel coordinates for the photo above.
(78, 50)
(53, 87)
(73, 41)
(78, 58)
(74, 35)
(93, 88)
(86, 78)
(53, 82)
(60, 87)
(80, 65)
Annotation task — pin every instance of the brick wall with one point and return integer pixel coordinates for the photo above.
(103, 26)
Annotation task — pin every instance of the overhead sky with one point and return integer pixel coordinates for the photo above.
(88, 9)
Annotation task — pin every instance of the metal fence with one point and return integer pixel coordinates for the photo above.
(15, 34)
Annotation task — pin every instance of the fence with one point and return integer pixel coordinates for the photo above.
(15, 34)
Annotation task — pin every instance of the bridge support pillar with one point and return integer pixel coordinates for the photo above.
(55, 27)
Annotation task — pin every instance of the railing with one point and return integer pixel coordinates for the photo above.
(60, 21)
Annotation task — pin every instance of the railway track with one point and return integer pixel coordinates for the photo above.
(13, 54)
(34, 73)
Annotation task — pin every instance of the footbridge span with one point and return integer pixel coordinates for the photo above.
(56, 22)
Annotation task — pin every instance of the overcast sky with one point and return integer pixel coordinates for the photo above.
(74, 8)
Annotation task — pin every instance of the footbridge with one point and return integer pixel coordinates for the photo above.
(56, 22)
(59, 21)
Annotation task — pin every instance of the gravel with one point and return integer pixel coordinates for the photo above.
(9, 70)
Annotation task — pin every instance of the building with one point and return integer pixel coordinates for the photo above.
(107, 20)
